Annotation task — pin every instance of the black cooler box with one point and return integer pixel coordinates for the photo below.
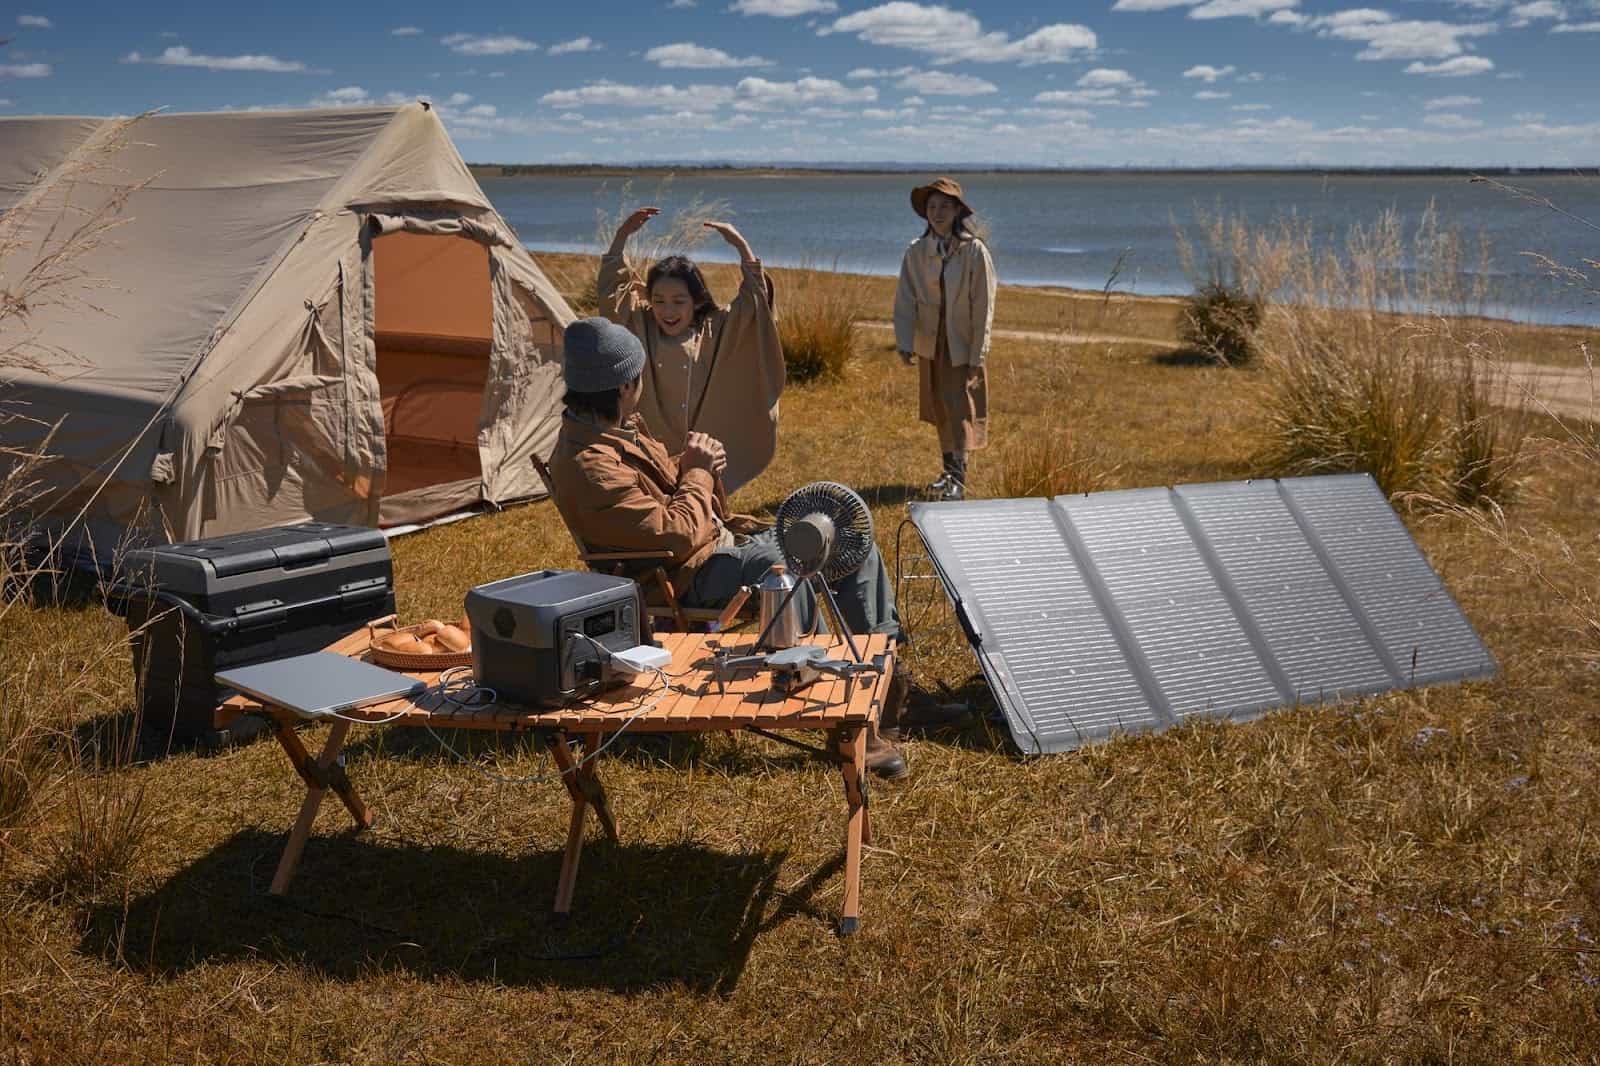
(205, 605)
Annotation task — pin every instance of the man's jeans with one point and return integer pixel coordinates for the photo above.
(865, 597)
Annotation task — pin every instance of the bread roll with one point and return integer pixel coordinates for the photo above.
(451, 638)
(430, 627)
(406, 643)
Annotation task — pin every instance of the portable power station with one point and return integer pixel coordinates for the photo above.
(537, 638)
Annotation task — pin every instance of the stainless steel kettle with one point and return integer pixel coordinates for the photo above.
(782, 630)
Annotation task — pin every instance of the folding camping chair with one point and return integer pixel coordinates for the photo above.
(616, 563)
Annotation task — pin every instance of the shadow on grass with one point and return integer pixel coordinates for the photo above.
(644, 916)
(1185, 357)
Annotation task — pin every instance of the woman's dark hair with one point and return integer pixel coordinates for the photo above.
(606, 404)
(682, 268)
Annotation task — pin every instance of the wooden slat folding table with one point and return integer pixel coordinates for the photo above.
(694, 703)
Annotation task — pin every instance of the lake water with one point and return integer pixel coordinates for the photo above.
(1075, 229)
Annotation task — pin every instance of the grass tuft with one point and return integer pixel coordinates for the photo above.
(1051, 461)
(818, 314)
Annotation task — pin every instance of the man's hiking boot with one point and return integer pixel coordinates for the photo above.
(884, 759)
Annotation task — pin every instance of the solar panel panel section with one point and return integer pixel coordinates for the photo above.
(1181, 623)
(1130, 611)
(1045, 646)
(1417, 624)
(1310, 629)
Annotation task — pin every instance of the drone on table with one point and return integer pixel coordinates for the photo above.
(792, 668)
(825, 531)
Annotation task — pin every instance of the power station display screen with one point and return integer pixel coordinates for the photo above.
(598, 625)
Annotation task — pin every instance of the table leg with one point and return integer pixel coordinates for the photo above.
(852, 748)
(318, 776)
(569, 860)
(593, 790)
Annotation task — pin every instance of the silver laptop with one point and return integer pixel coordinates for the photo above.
(319, 684)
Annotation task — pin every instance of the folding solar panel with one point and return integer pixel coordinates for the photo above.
(1131, 611)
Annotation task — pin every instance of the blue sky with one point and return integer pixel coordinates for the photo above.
(1185, 82)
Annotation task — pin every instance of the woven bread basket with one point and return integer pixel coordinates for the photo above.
(385, 655)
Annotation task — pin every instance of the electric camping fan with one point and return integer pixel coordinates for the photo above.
(825, 531)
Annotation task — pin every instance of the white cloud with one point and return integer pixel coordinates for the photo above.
(952, 36)
(1103, 78)
(1250, 107)
(1576, 27)
(680, 5)
(1528, 116)
(687, 56)
(759, 94)
(1526, 14)
(783, 9)
(1222, 9)
(1208, 73)
(1211, 94)
(577, 44)
(1212, 9)
(616, 94)
(458, 100)
(1253, 76)
(180, 56)
(4, 102)
(938, 83)
(1460, 67)
(1102, 87)
(34, 22)
(406, 31)
(1389, 38)
(1451, 122)
(477, 44)
(913, 101)
(1450, 103)
(867, 73)
(347, 96)
(24, 70)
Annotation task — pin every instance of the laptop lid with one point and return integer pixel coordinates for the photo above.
(320, 683)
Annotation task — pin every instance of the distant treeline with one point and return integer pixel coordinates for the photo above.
(603, 170)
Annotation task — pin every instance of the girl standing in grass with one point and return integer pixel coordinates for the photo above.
(709, 369)
(943, 313)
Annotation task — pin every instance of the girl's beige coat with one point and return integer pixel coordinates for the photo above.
(968, 300)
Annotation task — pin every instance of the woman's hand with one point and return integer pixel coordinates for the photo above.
(631, 225)
(733, 237)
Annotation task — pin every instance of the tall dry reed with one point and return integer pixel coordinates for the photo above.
(47, 245)
(1372, 359)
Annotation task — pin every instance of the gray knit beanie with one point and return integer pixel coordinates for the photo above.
(600, 355)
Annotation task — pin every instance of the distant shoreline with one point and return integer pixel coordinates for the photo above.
(606, 170)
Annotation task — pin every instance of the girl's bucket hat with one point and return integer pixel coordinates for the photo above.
(919, 196)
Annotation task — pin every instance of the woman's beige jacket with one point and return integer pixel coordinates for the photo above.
(968, 300)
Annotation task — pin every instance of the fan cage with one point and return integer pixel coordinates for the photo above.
(851, 518)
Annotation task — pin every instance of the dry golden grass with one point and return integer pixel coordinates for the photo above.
(817, 316)
(1411, 878)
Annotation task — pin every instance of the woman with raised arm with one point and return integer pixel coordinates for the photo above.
(943, 314)
(708, 369)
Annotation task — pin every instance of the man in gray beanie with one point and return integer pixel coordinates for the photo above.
(620, 491)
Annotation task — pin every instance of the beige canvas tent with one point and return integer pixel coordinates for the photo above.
(307, 314)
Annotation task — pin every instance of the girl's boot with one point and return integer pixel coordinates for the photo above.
(956, 487)
(939, 484)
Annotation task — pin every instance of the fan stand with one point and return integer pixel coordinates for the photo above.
(824, 594)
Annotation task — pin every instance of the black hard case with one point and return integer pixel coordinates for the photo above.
(205, 605)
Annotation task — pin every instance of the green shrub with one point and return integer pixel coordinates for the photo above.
(1220, 322)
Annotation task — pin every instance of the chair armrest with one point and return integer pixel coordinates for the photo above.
(589, 557)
